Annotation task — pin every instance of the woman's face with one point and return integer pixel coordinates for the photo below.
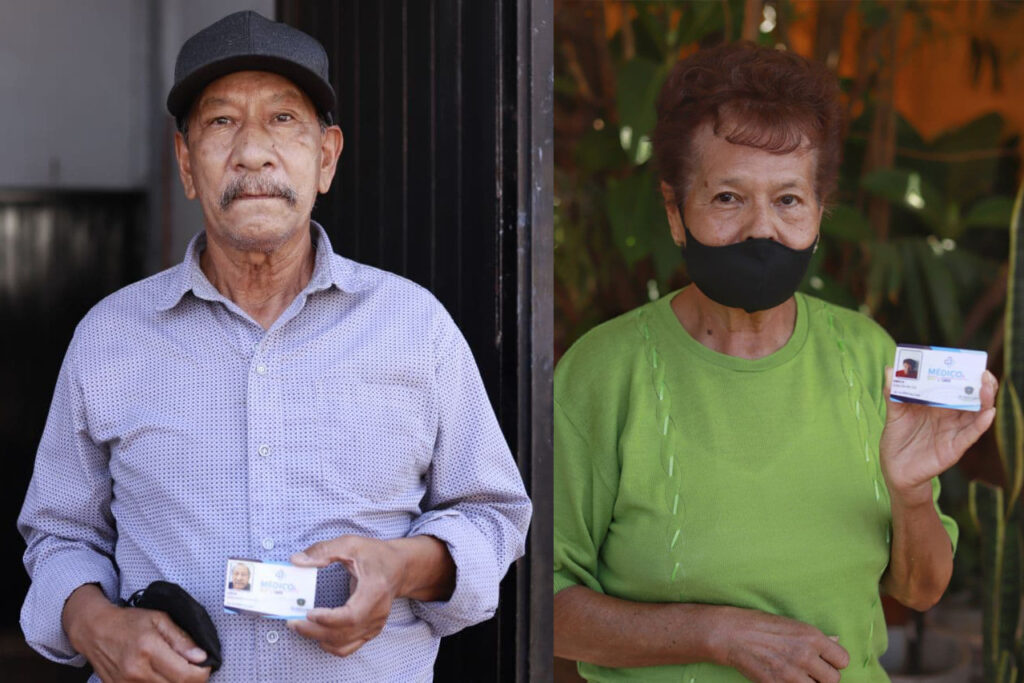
(738, 192)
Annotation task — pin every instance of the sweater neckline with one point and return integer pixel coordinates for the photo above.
(666, 317)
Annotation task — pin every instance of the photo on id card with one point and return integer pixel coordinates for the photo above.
(269, 589)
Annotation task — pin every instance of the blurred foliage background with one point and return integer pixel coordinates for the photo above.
(915, 237)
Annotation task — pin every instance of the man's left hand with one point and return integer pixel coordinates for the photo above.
(419, 567)
(920, 442)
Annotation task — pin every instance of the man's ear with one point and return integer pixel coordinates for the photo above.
(330, 150)
(675, 219)
(184, 165)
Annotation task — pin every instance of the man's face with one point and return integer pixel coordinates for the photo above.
(256, 159)
(240, 577)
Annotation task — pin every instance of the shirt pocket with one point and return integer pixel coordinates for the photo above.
(373, 440)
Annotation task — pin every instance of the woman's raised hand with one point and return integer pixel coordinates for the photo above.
(920, 442)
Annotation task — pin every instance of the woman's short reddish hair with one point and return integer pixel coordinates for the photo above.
(770, 99)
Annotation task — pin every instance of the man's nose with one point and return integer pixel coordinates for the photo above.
(254, 147)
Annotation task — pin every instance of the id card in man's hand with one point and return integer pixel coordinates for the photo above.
(269, 589)
(938, 376)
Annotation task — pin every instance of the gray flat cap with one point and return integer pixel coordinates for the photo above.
(247, 41)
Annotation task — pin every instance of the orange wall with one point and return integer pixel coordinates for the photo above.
(934, 85)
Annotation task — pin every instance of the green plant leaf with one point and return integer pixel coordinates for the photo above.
(1006, 669)
(984, 131)
(846, 223)
(1013, 346)
(915, 300)
(633, 206)
(599, 150)
(699, 19)
(992, 212)
(941, 292)
(651, 33)
(884, 256)
(970, 178)
(874, 13)
(565, 86)
(1010, 425)
(1001, 573)
(666, 255)
(895, 278)
(638, 82)
(1009, 416)
(909, 190)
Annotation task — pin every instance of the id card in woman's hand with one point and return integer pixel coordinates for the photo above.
(269, 589)
(938, 376)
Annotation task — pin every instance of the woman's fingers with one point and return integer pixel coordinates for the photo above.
(823, 672)
(835, 654)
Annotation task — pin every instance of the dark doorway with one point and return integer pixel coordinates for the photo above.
(442, 103)
(60, 253)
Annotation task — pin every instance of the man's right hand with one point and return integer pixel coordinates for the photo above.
(768, 649)
(130, 644)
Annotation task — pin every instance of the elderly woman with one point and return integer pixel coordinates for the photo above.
(732, 487)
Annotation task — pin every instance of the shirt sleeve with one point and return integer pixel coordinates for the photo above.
(475, 501)
(65, 520)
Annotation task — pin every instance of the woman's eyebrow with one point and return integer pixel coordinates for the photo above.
(785, 185)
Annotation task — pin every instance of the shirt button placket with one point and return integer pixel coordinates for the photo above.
(264, 402)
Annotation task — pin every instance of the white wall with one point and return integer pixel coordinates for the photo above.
(73, 94)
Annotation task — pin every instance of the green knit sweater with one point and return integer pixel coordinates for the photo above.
(685, 475)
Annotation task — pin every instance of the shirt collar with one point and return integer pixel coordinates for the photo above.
(328, 269)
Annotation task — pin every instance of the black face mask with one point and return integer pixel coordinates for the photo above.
(755, 274)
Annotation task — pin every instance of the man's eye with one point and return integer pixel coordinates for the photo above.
(283, 118)
(220, 121)
(789, 200)
(725, 197)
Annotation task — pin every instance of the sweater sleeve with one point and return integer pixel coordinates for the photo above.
(584, 495)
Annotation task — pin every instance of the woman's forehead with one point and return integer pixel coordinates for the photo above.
(721, 161)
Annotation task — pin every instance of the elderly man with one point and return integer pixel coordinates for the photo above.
(266, 399)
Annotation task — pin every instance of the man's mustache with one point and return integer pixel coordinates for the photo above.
(256, 185)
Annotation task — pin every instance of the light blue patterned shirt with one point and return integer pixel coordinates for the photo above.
(181, 434)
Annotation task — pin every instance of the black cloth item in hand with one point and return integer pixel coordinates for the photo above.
(185, 611)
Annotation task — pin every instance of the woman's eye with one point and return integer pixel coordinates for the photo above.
(789, 200)
(725, 197)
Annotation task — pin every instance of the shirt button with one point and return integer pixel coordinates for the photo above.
(268, 544)
(261, 369)
(264, 450)
(272, 637)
